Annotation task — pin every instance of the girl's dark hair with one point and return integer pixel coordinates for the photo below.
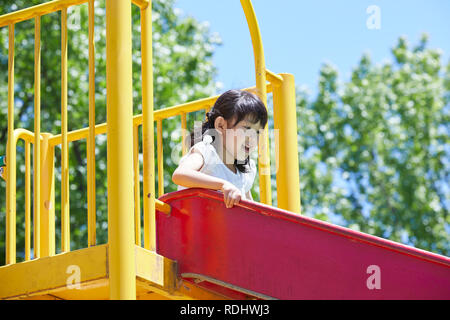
(234, 105)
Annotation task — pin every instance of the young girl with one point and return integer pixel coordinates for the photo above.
(219, 157)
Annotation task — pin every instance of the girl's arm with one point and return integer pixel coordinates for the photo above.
(248, 195)
(188, 175)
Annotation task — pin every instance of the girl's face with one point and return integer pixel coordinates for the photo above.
(241, 139)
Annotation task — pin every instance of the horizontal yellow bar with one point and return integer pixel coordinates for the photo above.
(141, 3)
(162, 206)
(49, 7)
(192, 106)
(41, 9)
(25, 135)
(137, 120)
(77, 134)
(274, 78)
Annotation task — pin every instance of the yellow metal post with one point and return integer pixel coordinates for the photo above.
(137, 187)
(47, 205)
(148, 135)
(122, 273)
(65, 206)
(260, 72)
(285, 122)
(27, 203)
(11, 160)
(160, 156)
(184, 134)
(91, 138)
(37, 138)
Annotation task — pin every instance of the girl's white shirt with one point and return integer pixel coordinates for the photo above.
(214, 166)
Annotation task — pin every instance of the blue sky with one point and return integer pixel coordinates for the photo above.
(299, 36)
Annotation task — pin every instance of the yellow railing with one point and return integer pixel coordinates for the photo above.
(122, 130)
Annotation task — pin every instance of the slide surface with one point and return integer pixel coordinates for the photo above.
(257, 251)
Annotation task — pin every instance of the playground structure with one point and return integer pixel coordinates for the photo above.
(193, 247)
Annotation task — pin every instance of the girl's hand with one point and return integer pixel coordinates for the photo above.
(231, 194)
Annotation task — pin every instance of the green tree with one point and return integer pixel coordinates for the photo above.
(183, 71)
(375, 150)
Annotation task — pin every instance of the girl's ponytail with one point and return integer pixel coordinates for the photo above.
(194, 137)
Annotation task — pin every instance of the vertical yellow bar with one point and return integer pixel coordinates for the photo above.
(27, 203)
(183, 133)
(11, 160)
(37, 135)
(91, 136)
(137, 189)
(65, 214)
(159, 146)
(122, 273)
(47, 210)
(285, 123)
(260, 73)
(148, 134)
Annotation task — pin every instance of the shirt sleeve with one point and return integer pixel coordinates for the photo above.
(201, 147)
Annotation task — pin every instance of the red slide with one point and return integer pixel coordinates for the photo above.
(257, 251)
